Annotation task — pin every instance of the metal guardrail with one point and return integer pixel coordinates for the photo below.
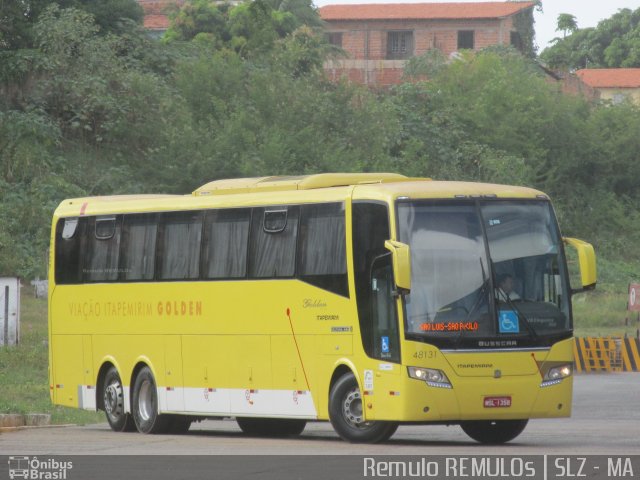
(606, 354)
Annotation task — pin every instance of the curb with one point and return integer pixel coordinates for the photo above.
(24, 427)
(13, 420)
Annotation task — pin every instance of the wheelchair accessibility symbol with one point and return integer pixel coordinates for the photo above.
(385, 345)
(508, 322)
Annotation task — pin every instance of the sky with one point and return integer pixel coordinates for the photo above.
(587, 12)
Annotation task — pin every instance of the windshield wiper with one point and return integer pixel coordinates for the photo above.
(476, 304)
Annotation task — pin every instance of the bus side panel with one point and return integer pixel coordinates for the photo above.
(172, 392)
(67, 350)
(288, 373)
(206, 364)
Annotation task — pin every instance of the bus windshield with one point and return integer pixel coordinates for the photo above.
(487, 273)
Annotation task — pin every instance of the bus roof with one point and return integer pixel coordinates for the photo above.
(281, 190)
(436, 189)
(302, 182)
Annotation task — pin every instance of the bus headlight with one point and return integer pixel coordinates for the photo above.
(555, 375)
(432, 377)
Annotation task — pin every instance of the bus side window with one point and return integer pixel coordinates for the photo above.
(138, 249)
(179, 245)
(274, 231)
(103, 249)
(225, 243)
(69, 233)
(322, 259)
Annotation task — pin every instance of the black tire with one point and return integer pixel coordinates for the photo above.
(145, 405)
(179, 424)
(113, 401)
(345, 413)
(494, 432)
(271, 427)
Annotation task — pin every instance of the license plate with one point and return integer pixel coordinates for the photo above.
(497, 402)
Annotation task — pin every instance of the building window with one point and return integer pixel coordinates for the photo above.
(334, 38)
(617, 98)
(465, 40)
(399, 45)
(516, 41)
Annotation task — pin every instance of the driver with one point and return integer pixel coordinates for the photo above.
(505, 288)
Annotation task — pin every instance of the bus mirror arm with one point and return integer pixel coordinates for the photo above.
(401, 266)
(399, 292)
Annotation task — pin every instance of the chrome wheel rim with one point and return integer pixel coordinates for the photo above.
(113, 404)
(352, 409)
(146, 401)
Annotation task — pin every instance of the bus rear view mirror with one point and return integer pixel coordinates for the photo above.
(401, 264)
(586, 262)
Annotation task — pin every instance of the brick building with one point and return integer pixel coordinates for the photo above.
(379, 38)
(613, 84)
(156, 18)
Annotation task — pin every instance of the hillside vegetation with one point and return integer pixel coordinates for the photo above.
(92, 106)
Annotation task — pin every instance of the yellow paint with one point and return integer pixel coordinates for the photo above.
(277, 334)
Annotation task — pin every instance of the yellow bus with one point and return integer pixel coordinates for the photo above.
(369, 300)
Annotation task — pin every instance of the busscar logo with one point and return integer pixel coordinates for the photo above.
(35, 469)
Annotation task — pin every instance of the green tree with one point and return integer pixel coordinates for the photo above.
(17, 17)
(303, 11)
(112, 15)
(423, 66)
(203, 18)
(566, 23)
(249, 28)
(614, 43)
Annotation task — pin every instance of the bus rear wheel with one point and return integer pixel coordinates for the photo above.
(494, 431)
(346, 414)
(145, 405)
(274, 427)
(113, 400)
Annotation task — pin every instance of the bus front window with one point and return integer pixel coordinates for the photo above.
(462, 252)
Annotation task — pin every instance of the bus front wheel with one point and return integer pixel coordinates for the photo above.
(113, 400)
(346, 414)
(493, 431)
(145, 405)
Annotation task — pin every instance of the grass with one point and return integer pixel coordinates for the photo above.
(24, 369)
(603, 313)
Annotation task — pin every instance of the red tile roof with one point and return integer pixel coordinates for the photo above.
(610, 77)
(422, 11)
(152, 7)
(156, 22)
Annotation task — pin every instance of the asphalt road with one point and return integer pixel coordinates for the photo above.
(606, 420)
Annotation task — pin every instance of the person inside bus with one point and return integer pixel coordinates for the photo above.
(505, 288)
